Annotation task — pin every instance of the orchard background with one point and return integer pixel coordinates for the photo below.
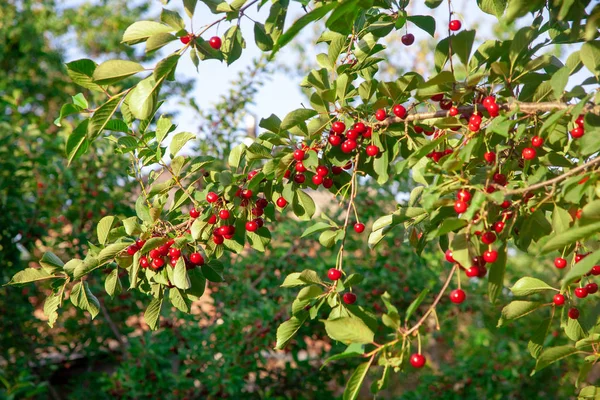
(274, 199)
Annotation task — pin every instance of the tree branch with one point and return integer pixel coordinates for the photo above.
(527, 108)
(434, 304)
(550, 181)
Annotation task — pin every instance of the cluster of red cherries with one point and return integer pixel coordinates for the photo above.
(579, 292)
(156, 258)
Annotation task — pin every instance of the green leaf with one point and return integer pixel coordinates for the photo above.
(153, 311)
(318, 227)
(293, 280)
(29, 275)
(142, 99)
(518, 309)
(111, 251)
(571, 236)
(462, 45)
(172, 18)
(493, 7)
(349, 330)
(315, 15)
(589, 392)
(211, 273)
(141, 30)
(496, 275)
(582, 267)
(77, 142)
(303, 205)
(527, 286)
(104, 227)
(415, 304)
(536, 343)
(425, 22)
(189, 7)
(297, 117)
(177, 299)
(179, 140)
(51, 263)
(262, 39)
(164, 69)
(236, 154)
(82, 297)
(101, 117)
(81, 72)
(112, 284)
(590, 212)
(353, 350)
(287, 330)
(352, 390)
(553, 354)
(590, 56)
(113, 71)
(561, 220)
(180, 275)
(233, 44)
(158, 41)
(460, 250)
(51, 307)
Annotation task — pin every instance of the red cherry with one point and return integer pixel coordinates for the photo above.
(500, 179)
(560, 262)
(251, 226)
(348, 146)
(360, 127)
(281, 202)
(498, 226)
(493, 109)
(194, 213)
(327, 183)
(352, 134)
(417, 360)
(445, 104)
(299, 155)
(454, 25)
(299, 178)
(559, 299)
(322, 170)
(489, 156)
(212, 219)
(380, 114)
(437, 97)
(577, 133)
(218, 239)
(505, 204)
(457, 296)
(287, 174)
(185, 39)
(475, 119)
(140, 243)
(579, 120)
(482, 271)
(338, 127)
(528, 153)
(336, 170)
(252, 174)
(399, 111)
(460, 206)
(488, 237)
(335, 140)
(334, 274)
(163, 250)
(472, 272)
(196, 259)
(372, 150)
(259, 221)
(579, 257)
(573, 313)
(174, 253)
(317, 179)
(257, 211)
(224, 214)
(591, 288)
(262, 203)
(581, 292)
(408, 39)
(144, 263)
(173, 261)
(157, 263)
(489, 100)
(490, 256)
(464, 195)
(131, 250)
(359, 227)
(212, 197)
(537, 141)
(368, 132)
(473, 127)
(448, 256)
(215, 42)
(595, 270)
(453, 112)
(349, 298)
(300, 167)
(247, 193)
(154, 253)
